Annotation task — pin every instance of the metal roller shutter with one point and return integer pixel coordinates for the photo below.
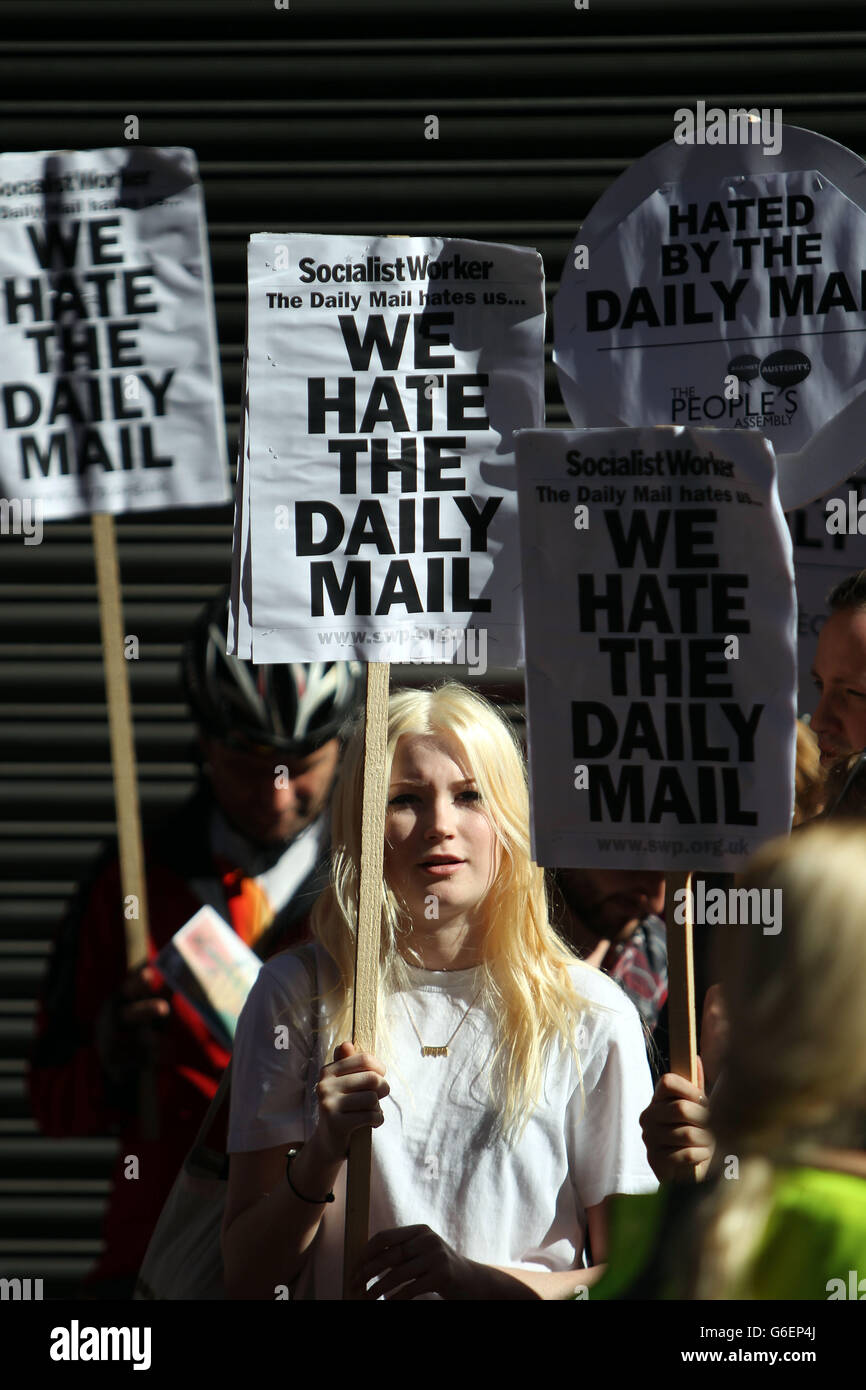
(306, 117)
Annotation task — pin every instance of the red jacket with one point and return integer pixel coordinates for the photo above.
(71, 1095)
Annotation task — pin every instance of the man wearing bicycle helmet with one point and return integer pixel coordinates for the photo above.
(269, 739)
(251, 842)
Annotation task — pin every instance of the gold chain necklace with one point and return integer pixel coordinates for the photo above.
(427, 1051)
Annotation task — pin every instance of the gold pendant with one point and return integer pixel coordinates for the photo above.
(434, 1051)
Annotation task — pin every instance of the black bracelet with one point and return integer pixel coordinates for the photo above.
(314, 1201)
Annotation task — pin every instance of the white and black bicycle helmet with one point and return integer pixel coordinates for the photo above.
(294, 708)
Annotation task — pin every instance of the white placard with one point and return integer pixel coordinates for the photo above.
(660, 646)
(725, 287)
(110, 391)
(377, 507)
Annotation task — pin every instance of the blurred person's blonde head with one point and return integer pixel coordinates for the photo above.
(794, 1078)
(795, 1067)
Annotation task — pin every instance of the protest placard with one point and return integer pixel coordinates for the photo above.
(660, 647)
(725, 286)
(109, 371)
(238, 635)
(377, 506)
(110, 389)
(376, 513)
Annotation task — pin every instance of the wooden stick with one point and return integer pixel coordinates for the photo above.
(122, 742)
(123, 765)
(367, 952)
(681, 980)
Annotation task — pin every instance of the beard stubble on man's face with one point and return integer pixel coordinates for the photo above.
(611, 916)
(267, 805)
(610, 906)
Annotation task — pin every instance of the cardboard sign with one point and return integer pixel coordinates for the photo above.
(725, 287)
(376, 515)
(109, 373)
(660, 647)
(213, 969)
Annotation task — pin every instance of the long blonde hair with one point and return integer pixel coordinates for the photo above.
(810, 792)
(794, 1076)
(525, 983)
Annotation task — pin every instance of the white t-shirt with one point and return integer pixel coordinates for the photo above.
(437, 1160)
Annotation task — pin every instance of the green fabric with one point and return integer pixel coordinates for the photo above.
(634, 1223)
(815, 1233)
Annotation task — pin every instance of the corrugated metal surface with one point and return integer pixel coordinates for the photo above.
(310, 117)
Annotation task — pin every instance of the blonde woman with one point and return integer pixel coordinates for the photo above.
(505, 1093)
(782, 1213)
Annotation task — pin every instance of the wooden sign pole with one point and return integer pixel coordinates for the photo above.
(123, 764)
(681, 980)
(367, 952)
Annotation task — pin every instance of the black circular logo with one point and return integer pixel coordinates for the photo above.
(744, 368)
(785, 368)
